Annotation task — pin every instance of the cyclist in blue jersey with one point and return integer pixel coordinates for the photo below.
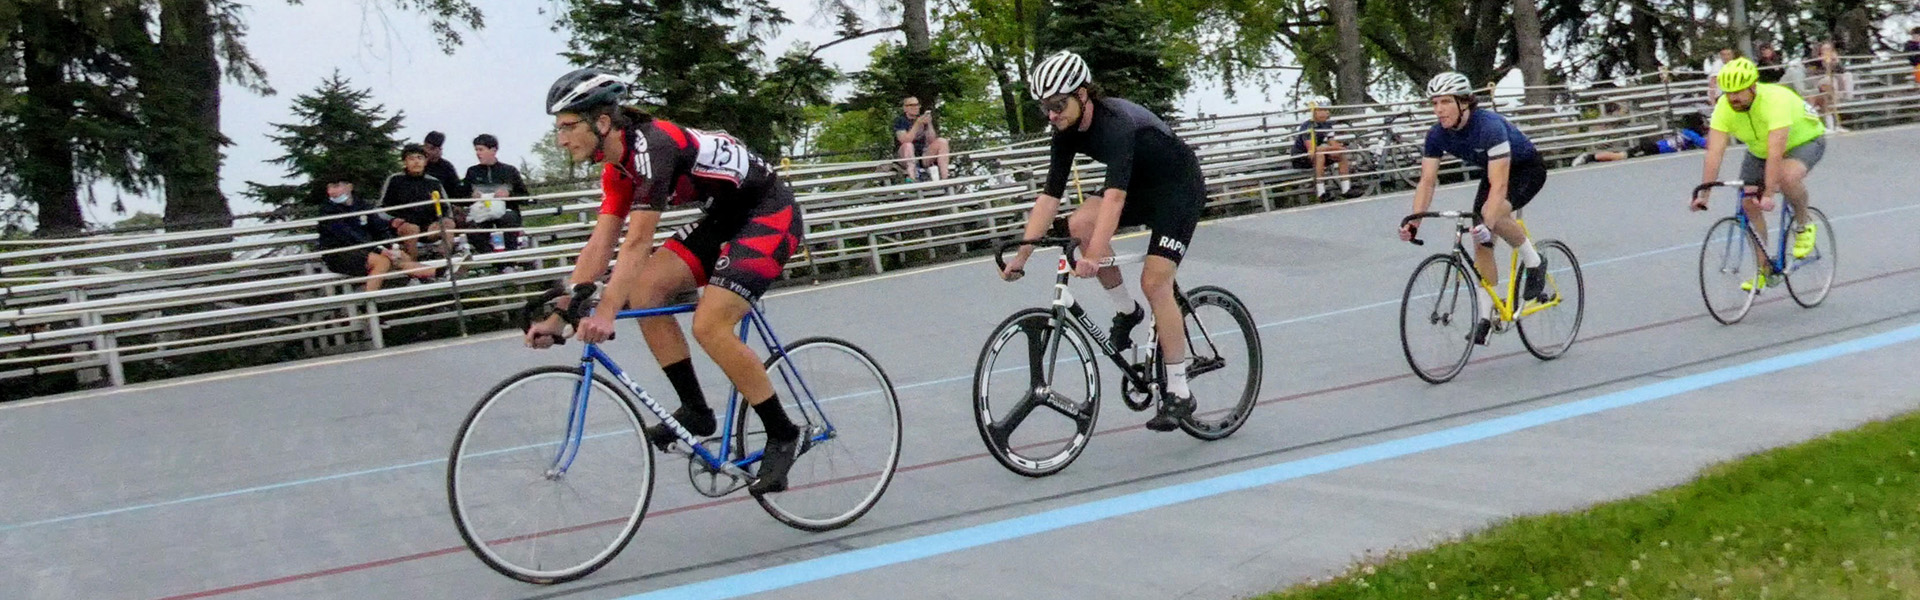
(1511, 175)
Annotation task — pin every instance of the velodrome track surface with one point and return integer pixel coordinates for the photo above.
(325, 478)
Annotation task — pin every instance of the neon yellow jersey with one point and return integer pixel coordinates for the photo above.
(1774, 106)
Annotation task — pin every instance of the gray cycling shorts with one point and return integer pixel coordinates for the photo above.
(1754, 170)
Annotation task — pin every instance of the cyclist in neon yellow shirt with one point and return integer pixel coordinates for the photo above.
(1784, 139)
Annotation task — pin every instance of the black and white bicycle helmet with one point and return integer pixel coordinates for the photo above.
(1061, 73)
(584, 89)
(1449, 84)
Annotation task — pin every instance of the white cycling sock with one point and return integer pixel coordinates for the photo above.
(1528, 256)
(1122, 301)
(1485, 301)
(1177, 379)
(1346, 185)
(1319, 188)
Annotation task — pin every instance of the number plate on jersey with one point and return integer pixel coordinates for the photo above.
(720, 156)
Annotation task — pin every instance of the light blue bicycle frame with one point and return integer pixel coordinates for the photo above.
(593, 355)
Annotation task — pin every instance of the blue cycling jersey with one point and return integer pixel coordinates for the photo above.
(1487, 136)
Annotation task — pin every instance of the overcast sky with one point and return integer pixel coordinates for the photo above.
(494, 83)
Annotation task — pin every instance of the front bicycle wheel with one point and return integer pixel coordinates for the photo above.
(849, 418)
(1810, 278)
(1223, 363)
(1548, 332)
(546, 487)
(1728, 259)
(1437, 315)
(1036, 393)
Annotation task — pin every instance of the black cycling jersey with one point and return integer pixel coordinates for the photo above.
(1139, 149)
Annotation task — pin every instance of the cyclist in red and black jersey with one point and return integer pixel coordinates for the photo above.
(738, 247)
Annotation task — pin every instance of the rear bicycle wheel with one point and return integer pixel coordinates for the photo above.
(849, 420)
(1036, 393)
(529, 504)
(1728, 258)
(1549, 332)
(1223, 363)
(1437, 317)
(1809, 279)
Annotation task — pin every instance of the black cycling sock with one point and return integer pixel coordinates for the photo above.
(686, 384)
(775, 418)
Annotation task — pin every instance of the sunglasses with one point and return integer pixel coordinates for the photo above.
(1057, 104)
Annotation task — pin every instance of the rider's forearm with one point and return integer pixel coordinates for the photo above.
(1038, 220)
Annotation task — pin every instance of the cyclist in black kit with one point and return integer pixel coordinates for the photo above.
(1152, 179)
(736, 250)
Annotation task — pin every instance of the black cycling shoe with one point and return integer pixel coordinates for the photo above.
(1353, 193)
(1173, 410)
(1536, 282)
(698, 422)
(1122, 331)
(775, 461)
(1480, 331)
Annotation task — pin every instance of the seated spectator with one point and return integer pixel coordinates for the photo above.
(1827, 85)
(1316, 145)
(1692, 135)
(914, 132)
(491, 178)
(440, 168)
(1913, 52)
(1772, 66)
(345, 238)
(411, 186)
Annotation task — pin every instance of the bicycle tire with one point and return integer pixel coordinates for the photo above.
(482, 545)
(1041, 322)
(828, 434)
(1729, 247)
(1247, 330)
(1826, 253)
(1550, 351)
(1456, 289)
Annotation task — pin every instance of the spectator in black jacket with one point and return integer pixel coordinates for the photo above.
(440, 168)
(491, 178)
(411, 186)
(346, 237)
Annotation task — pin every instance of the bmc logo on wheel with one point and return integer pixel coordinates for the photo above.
(1172, 244)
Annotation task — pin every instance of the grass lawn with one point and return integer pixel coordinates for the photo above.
(1834, 518)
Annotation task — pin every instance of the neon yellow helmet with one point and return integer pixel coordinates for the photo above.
(1739, 74)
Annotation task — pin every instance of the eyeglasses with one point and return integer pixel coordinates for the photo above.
(568, 126)
(1056, 104)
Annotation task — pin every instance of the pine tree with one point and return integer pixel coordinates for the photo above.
(1119, 41)
(338, 129)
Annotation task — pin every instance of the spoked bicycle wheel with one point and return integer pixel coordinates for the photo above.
(1223, 363)
(1549, 332)
(1728, 259)
(1809, 279)
(1036, 393)
(535, 506)
(1437, 315)
(849, 419)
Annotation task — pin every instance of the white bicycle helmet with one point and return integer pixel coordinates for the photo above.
(1318, 102)
(584, 89)
(1449, 84)
(1061, 73)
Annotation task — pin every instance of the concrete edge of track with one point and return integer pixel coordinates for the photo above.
(936, 544)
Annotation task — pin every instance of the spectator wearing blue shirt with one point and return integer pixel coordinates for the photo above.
(1316, 144)
(914, 133)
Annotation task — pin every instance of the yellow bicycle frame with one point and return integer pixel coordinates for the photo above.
(1503, 305)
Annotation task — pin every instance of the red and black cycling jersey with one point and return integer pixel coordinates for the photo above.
(669, 165)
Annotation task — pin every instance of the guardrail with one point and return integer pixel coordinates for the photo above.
(95, 305)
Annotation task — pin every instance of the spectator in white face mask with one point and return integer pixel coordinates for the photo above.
(347, 235)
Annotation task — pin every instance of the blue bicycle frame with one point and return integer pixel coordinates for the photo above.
(1778, 259)
(592, 355)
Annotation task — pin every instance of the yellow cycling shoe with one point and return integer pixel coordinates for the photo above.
(1803, 242)
(1758, 282)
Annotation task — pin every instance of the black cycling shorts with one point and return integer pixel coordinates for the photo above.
(1524, 180)
(1170, 212)
(742, 252)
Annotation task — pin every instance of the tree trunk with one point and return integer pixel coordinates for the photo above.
(1644, 42)
(184, 97)
(47, 169)
(1533, 57)
(913, 21)
(1350, 60)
